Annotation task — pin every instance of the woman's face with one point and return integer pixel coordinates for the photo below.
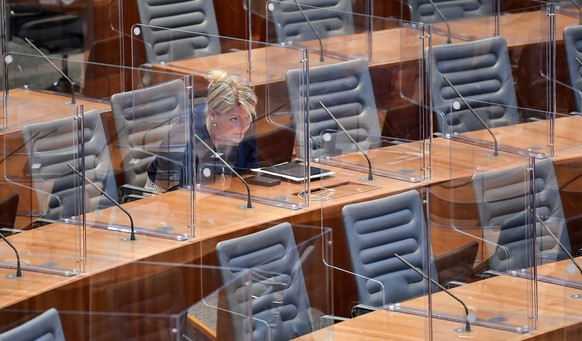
(229, 127)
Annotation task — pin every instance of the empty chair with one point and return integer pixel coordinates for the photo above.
(170, 27)
(46, 326)
(423, 11)
(53, 32)
(503, 199)
(330, 18)
(346, 90)
(375, 230)
(279, 295)
(480, 71)
(54, 145)
(573, 46)
(143, 120)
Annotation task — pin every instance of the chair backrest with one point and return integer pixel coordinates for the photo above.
(273, 260)
(170, 28)
(51, 146)
(375, 230)
(480, 71)
(46, 326)
(331, 18)
(573, 46)
(502, 199)
(423, 11)
(346, 90)
(143, 120)
(8, 210)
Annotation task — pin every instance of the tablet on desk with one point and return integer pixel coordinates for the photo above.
(293, 171)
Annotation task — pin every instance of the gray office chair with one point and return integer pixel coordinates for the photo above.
(51, 146)
(46, 326)
(423, 11)
(346, 90)
(480, 71)
(279, 295)
(331, 18)
(143, 120)
(375, 230)
(573, 46)
(170, 26)
(54, 33)
(501, 198)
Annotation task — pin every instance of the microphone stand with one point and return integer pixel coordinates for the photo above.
(73, 101)
(467, 323)
(568, 254)
(313, 29)
(370, 173)
(444, 20)
(495, 145)
(132, 229)
(215, 154)
(18, 270)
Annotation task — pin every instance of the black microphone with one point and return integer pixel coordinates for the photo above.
(579, 10)
(132, 229)
(313, 29)
(468, 316)
(215, 154)
(18, 271)
(370, 173)
(73, 101)
(495, 146)
(444, 20)
(557, 241)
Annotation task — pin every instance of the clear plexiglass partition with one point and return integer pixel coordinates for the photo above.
(70, 167)
(146, 300)
(272, 138)
(486, 208)
(390, 89)
(177, 298)
(450, 19)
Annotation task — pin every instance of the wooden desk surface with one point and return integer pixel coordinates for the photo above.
(217, 218)
(28, 106)
(496, 297)
(518, 29)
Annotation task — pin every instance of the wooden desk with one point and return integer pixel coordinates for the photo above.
(396, 60)
(559, 316)
(25, 107)
(217, 217)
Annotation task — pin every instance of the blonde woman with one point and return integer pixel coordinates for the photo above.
(222, 122)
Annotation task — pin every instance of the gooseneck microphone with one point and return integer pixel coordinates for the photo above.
(18, 270)
(467, 315)
(557, 242)
(495, 145)
(445, 21)
(73, 101)
(132, 228)
(215, 154)
(370, 173)
(313, 29)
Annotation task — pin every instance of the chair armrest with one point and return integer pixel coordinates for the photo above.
(328, 320)
(126, 192)
(361, 309)
(452, 284)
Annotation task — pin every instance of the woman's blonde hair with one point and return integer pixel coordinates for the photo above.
(226, 91)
